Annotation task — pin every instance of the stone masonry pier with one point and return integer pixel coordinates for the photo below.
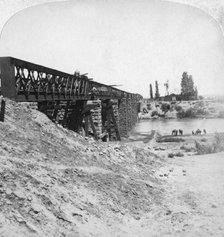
(74, 101)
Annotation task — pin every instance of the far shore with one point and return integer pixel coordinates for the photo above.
(172, 118)
(201, 109)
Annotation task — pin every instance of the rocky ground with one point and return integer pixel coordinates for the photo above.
(53, 182)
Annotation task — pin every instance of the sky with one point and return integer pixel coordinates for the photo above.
(127, 43)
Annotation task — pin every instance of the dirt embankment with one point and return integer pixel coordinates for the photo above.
(55, 183)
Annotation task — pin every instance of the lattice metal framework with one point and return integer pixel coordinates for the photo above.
(25, 81)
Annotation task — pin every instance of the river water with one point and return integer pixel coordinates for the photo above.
(165, 126)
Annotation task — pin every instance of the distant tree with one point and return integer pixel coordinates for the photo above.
(190, 87)
(151, 92)
(187, 84)
(157, 90)
(188, 91)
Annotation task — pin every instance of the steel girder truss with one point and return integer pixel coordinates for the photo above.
(25, 81)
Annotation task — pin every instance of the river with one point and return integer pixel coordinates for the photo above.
(165, 126)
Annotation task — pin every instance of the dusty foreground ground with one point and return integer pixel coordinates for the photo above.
(194, 196)
(55, 183)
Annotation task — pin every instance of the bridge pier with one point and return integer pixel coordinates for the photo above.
(96, 113)
(114, 117)
(70, 99)
(128, 115)
(122, 116)
(109, 121)
(76, 117)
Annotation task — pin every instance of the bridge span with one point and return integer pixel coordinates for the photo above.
(74, 101)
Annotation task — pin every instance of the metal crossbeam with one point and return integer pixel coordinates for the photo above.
(25, 81)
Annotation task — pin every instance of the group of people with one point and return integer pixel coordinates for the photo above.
(199, 132)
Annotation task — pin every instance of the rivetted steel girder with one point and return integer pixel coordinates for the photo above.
(25, 81)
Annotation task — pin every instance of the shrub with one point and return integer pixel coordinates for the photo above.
(201, 111)
(221, 114)
(170, 139)
(178, 108)
(179, 154)
(186, 148)
(204, 149)
(183, 147)
(170, 155)
(165, 107)
(149, 107)
(217, 146)
(154, 113)
(212, 110)
(189, 113)
(219, 142)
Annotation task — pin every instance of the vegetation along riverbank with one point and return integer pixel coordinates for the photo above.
(182, 109)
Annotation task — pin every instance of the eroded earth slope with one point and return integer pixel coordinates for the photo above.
(53, 182)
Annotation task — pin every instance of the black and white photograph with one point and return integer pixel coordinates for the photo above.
(111, 118)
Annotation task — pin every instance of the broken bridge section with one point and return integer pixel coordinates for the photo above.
(74, 101)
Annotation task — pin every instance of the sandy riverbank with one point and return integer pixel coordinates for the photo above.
(53, 182)
(182, 145)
